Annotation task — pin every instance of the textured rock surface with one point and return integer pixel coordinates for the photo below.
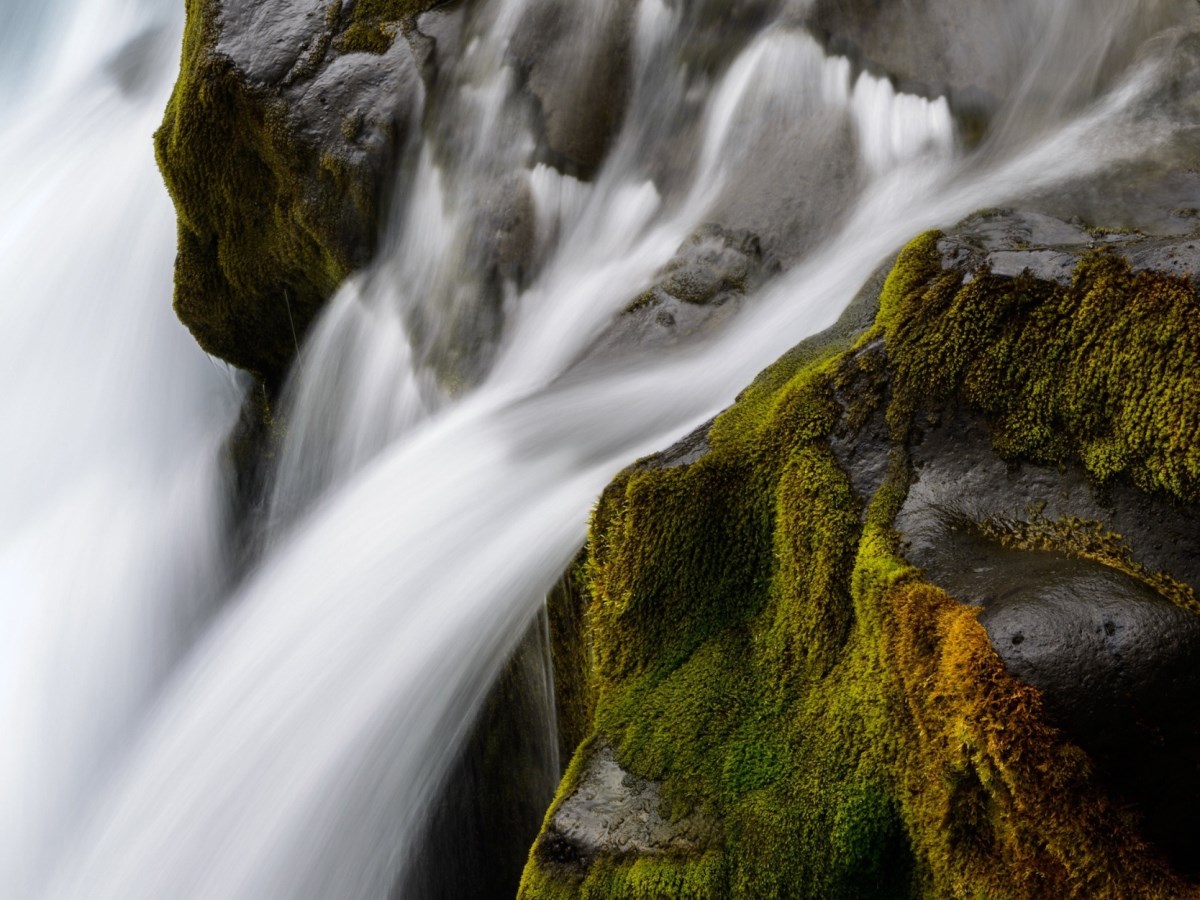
(693, 296)
(1007, 243)
(574, 57)
(917, 615)
(611, 812)
(1117, 662)
(497, 790)
(974, 52)
(278, 146)
(929, 47)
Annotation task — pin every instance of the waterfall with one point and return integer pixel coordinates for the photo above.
(174, 730)
(111, 510)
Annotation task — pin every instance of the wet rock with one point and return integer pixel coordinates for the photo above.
(1055, 740)
(958, 474)
(456, 330)
(719, 29)
(989, 59)
(695, 294)
(1159, 192)
(958, 49)
(570, 645)
(575, 61)
(437, 39)
(615, 814)
(1117, 662)
(687, 450)
(495, 797)
(278, 147)
(793, 185)
(862, 441)
(1011, 242)
(503, 233)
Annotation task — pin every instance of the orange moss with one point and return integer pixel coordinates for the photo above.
(1001, 804)
(763, 651)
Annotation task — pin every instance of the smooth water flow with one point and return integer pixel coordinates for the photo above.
(111, 509)
(168, 735)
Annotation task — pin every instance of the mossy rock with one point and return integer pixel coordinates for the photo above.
(771, 665)
(278, 147)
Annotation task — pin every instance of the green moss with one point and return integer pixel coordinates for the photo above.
(268, 226)
(251, 268)
(917, 265)
(763, 651)
(1099, 372)
(372, 25)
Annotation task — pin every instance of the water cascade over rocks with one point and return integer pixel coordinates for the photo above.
(242, 680)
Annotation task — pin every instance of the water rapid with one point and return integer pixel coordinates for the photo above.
(178, 728)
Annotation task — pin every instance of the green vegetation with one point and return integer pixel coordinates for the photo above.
(372, 25)
(1100, 372)
(268, 224)
(761, 649)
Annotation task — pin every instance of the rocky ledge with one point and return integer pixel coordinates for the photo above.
(916, 616)
(283, 129)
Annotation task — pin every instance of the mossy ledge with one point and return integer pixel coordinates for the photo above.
(763, 653)
(277, 146)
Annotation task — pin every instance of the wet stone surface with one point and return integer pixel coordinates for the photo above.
(695, 294)
(615, 814)
(683, 452)
(1011, 242)
(1118, 664)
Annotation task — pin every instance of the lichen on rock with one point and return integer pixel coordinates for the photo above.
(772, 650)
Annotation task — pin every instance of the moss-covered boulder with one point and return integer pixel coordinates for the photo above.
(803, 667)
(278, 146)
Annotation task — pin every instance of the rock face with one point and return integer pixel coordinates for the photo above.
(496, 793)
(916, 616)
(697, 292)
(938, 49)
(281, 143)
(277, 146)
(1115, 660)
(574, 58)
(610, 812)
(974, 52)
(1009, 243)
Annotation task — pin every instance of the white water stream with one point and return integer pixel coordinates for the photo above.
(164, 740)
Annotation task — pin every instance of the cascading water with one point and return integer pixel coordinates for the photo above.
(111, 499)
(288, 740)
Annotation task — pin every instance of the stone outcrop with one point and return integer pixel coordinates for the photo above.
(574, 59)
(972, 51)
(282, 141)
(277, 146)
(609, 812)
(917, 615)
(696, 293)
